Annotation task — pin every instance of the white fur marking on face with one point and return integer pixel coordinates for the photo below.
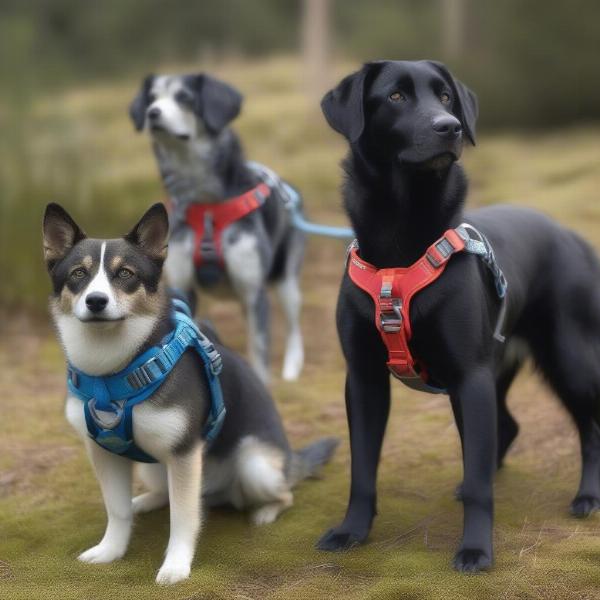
(100, 284)
(175, 118)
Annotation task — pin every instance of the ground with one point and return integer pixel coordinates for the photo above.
(50, 506)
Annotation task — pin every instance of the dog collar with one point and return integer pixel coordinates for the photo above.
(109, 400)
(392, 290)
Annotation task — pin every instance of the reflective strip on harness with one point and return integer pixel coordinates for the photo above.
(209, 220)
(392, 290)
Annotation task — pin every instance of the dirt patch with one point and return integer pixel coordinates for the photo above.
(29, 461)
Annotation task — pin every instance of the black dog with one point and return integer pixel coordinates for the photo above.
(405, 123)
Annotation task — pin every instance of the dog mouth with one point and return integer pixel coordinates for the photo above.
(159, 129)
(439, 162)
(99, 321)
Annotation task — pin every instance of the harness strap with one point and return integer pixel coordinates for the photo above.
(109, 401)
(393, 288)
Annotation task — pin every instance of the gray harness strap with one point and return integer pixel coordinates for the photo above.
(476, 243)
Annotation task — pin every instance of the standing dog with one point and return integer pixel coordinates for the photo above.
(406, 123)
(203, 169)
(110, 306)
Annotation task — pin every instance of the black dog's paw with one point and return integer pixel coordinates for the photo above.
(471, 561)
(458, 492)
(584, 506)
(340, 541)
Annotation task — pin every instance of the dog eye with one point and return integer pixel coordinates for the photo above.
(151, 98)
(78, 273)
(183, 98)
(397, 97)
(445, 98)
(124, 273)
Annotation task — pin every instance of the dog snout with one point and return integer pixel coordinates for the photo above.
(96, 302)
(447, 126)
(154, 113)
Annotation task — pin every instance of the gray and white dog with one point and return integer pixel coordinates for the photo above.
(110, 304)
(201, 162)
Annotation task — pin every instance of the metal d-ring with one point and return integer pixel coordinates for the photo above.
(112, 423)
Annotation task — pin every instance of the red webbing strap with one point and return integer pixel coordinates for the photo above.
(392, 290)
(222, 214)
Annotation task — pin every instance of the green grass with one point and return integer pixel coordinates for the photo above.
(50, 506)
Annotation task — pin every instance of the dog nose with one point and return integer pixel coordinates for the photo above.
(96, 301)
(447, 126)
(154, 113)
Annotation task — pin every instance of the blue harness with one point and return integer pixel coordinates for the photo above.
(108, 401)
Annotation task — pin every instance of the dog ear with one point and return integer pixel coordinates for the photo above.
(343, 106)
(61, 233)
(466, 107)
(216, 103)
(137, 108)
(151, 233)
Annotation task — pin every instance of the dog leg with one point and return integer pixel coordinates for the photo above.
(114, 475)
(291, 300)
(258, 342)
(367, 407)
(179, 265)
(154, 477)
(184, 473)
(587, 500)
(477, 398)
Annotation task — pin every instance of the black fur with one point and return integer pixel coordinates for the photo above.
(403, 189)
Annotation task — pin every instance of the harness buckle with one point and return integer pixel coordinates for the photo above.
(391, 315)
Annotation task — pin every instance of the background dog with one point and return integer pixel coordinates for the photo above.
(406, 123)
(201, 161)
(109, 305)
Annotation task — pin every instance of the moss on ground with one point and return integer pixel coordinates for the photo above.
(50, 507)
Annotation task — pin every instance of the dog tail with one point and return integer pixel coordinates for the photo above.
(307, 461)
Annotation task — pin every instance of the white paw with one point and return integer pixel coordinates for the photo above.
(292, 368)
(102, 553)
(149, 501)
(265, 514)
(293, 361)
(172, 573)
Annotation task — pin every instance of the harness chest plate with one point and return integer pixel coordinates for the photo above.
(109, 400)
(392, 290)
(209, 220)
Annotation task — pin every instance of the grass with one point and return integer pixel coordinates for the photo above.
(50, 507)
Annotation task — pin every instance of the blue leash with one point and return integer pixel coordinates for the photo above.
(293, 204)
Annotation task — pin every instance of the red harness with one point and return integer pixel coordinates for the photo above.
(392, 290)
(209, 220)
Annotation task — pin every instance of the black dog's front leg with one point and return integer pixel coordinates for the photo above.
(367, 407)
(476, 398)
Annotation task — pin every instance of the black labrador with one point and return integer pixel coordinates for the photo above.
(406, 123)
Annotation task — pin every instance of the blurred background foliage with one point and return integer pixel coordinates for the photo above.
(70, 67)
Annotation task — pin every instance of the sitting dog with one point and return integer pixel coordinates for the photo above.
(538, 288)
(143, 386)
(227, 215)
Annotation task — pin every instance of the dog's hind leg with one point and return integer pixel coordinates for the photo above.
(154, 477)
(260, 482)
(114, 475)
(569, 356)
